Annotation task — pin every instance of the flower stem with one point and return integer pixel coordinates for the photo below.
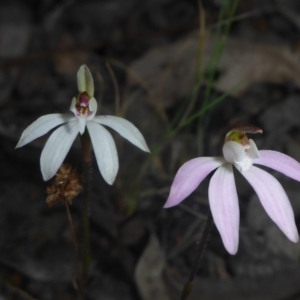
(87, 160)
(72, 230)
(201, 247)
(77, 257)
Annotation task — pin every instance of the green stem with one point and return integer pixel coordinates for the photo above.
(201, 247)
(87, 160)
(72, 230)
(75, 244)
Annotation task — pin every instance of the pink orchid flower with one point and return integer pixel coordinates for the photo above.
(241, 152)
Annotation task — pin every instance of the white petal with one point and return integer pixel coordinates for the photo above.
(85, 80)
(274, 200)
(125, 128)
(105, 151)
(223, 201)
(57, 147)
(82, 123)
(233, 152)
(41, 126)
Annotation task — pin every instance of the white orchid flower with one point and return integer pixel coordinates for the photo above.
(241, 152)
(84, 108)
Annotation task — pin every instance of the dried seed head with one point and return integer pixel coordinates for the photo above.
(66, 186)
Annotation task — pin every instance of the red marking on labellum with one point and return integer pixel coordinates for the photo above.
(84, 99)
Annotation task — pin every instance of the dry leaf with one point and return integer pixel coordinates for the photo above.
(68, 62)
(169, 71)
(148, 272)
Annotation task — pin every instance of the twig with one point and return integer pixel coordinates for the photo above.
(201, 247)
(18, 291)
(117, 91)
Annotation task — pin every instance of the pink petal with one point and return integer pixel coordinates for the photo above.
(224, 205)
(274, 200)
(279, 162)
(189, 176)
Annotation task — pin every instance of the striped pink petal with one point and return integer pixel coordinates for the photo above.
(224, 205)
(274, 200)
(189, 176)
(279, 162)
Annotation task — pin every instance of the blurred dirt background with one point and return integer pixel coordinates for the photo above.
(140, 250)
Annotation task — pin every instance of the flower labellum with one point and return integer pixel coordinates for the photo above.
(242, 153)
(84, 108)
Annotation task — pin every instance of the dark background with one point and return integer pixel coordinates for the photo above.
(140, 250)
